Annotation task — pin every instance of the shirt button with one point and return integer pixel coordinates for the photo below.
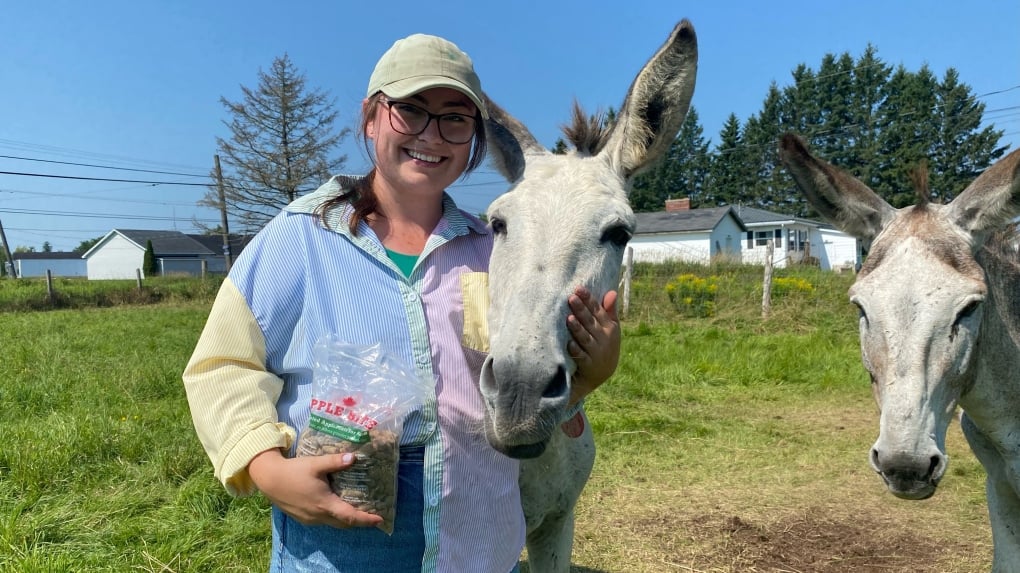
(433, 501)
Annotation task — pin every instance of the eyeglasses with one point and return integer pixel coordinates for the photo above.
(409, 119)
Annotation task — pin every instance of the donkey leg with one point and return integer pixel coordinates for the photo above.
(1002, 499)
(550, 544)
(1004, 515)
(550, 487)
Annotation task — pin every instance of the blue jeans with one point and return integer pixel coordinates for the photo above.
(325, 549)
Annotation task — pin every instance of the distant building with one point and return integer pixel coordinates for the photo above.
(120, 254)
(58, 264)
(741, 233)
(795, 239)
(683, 234)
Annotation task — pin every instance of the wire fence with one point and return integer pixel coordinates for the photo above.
(731, 293)
(724, 292)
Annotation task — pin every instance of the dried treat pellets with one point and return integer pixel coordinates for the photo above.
(370, 484)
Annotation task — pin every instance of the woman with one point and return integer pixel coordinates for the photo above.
(377, 260)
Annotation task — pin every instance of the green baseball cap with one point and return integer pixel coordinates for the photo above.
(420, 62)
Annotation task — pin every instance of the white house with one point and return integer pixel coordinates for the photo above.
(683, 234)
(59, 264)
(794, 239)
(121, 253)
(698, 235)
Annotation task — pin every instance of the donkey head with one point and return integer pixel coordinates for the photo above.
(920, 295)
(565, 222)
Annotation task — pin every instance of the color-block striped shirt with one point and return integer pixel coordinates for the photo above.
(249, 381)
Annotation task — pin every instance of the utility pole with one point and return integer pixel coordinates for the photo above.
(7, 251)
(223, 212)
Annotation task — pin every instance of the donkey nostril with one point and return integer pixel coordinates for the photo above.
(557, 386)
(935, 468)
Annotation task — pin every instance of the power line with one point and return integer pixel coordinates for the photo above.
(101, 166)
(53, 150)
(80, 178)
(113, 199)
(88, 215)
(50, 230)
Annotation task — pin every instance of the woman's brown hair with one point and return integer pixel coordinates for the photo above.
(360, 196)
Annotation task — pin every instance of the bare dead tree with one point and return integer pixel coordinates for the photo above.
(283, 142)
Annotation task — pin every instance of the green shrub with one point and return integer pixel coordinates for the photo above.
(782, 286)
(692, 295)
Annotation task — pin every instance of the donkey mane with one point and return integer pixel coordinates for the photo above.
(919, 177)
(588, 134)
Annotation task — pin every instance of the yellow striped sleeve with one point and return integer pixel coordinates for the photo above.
(231, 395)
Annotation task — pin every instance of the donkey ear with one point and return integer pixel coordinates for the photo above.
(656, 104)
(840, 197)
(992, 199)
(508, 141)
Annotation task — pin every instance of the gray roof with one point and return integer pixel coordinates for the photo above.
(178, 244)
(166, 243)
(758, 217)
(687, 221)
(215, 243)
(48, 256)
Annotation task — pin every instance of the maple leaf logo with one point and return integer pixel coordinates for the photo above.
(349, 401)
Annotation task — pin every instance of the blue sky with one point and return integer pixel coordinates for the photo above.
(137, 84)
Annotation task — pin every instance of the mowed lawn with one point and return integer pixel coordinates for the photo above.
(726, 443)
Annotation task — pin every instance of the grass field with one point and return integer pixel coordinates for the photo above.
(726, 443)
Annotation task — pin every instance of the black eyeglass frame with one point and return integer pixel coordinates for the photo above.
(437, 116)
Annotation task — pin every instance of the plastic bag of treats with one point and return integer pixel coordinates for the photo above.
(360, 398)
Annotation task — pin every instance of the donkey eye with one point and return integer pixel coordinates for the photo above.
(861, 315)
(618, 235)
(968, 311)
(498, 225)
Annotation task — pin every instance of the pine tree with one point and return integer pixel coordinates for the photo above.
(760, 187)
(281, 145)
(962, 149)
(870, 75)
(149, 268)
(907, 133)
(724, 181)
(680, 173)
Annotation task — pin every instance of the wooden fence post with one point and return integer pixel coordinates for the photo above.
(138, 279)
(49, 286)
(766, 288)
(628, 265)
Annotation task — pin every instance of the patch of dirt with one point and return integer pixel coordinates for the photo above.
(810, 542)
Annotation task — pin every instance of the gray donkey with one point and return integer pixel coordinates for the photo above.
(564, 222)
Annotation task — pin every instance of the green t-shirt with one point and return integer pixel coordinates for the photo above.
(404, 262)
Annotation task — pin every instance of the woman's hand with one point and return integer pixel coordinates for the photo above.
(299, 487)
(596, 340)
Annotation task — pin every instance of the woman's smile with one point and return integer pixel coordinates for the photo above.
(424, 157)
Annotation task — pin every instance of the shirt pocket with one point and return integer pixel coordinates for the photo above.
(474, 290)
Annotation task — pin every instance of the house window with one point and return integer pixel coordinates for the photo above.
(796, 239)
(761, 238)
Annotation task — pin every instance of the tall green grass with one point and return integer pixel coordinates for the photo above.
(26, 294)
(100, 469)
